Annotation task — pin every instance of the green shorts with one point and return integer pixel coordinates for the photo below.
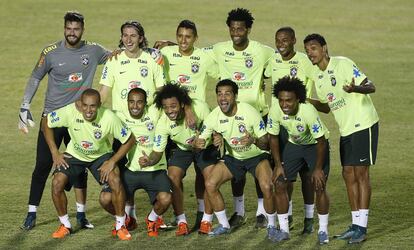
(239, 168)
(302, 157)
(153, 182)
(360, 148)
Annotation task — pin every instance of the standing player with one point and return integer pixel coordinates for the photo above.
(190, 67)
(243, 61)
(288, 62)
(71, 65)
(307, 148)
(343, 89)
(90, 127)
(142, 121)
(245, 137)
(172, 99)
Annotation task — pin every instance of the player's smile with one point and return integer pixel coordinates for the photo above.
(185, 40)
(226, 100)
(131, 39)
(172, 108)
(288, 102)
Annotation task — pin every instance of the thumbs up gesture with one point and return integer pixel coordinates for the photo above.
(247, 139)
(199, 143)
(144, 160)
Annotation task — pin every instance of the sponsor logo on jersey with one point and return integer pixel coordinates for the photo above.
(248, 62)
(239, 76)
(300, 128)
(75, 77)
(333, 80)
(246, 54)
(54, 117)
(125, 62)
(157, 140)
(356, 71)
(85, 59)
(150, 126)
(183, 79)
(278, 60)
(104, 73)
(144, 71)
(293, 71)
(142, 61)
(229, 53)
(238, 118)
(242, 128)
(143, 139)
(124, 131)
(197, 58)
(298, 119)
(270, 123)
(79, 120)
(315, 128)
(195, 67)
(320, 76)
(224, 121)
(50, 48)
(331, 97)
(262, 125)
(134, 84)
(97, 134)
(235, 141)
(96, 125)
(86, 145)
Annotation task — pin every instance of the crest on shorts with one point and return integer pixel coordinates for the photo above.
(144, 71)
(242, 128)
(85, 59)
(333, 80)
(195, 67)
(248, 62)
(97, 134)
(293, 71)
(300, 128)
(150, 126)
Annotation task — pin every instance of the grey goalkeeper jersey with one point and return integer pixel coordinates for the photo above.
(70, 70)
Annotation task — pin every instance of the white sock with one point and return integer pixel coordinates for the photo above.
(363, 217)
(153, 216)
(260, 207)
(355, 217)
(271, 219)
(323, 222)
(239, 204)
(290, 208)
(81, 208)
(181, 218)
(283, 222)
(200, 203)
(207, 217)
(65, 220)
(222, 218)
(309, 210)
(120, 221)
(130, 211)
(32, 209)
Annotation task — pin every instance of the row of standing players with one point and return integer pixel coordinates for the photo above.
(340, 86)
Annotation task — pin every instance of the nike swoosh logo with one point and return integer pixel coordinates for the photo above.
(226, 60)
(61, 64)
(171, 64)
(122, 72)
(362, 160)
(76, 129)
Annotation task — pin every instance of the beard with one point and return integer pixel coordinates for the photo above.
(72, 42)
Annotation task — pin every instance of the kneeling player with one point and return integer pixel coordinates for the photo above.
(142, 121)
(173, 99)
(307, 148)
(245, 138)
(90, 127)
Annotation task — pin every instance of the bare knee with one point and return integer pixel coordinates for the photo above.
(164, 199)
(105, 199)
(58, 183)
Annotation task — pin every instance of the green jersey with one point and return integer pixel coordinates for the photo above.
(298, 66)
(245, 68)
(352, 111)
(126, 73)
(182, 135)
(89, 140)
(189, 71)
(144, 131)
(246, 119)
(303, 128)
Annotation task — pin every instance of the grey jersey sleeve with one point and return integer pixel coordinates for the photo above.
(39, 71)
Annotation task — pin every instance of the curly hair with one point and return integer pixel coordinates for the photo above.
(172, 90)
(290, 84)
(240, 14)
(138, 27)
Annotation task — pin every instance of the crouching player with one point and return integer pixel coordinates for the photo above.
(142, 121)
(173, 99)
(245, 138)
(90, 128)
(307, 149)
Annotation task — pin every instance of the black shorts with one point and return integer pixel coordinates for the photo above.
(239, 168)
(183, 159)
(360, 148)
(77, 169)
(152, 182)
(302, 157)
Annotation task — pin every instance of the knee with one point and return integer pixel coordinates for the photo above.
(348, 173)
(164, 199)
(58, 184)
(175, 179)
(114, 182)
(105, 199)
(267, 188)
(211, 185)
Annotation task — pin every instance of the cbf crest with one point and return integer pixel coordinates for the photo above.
(85, 59)
(293, 71)
(144, 71)
(150, 126)
(242, 128)
(300, 128)
(195, 67)
(97, 133)
(248, 62)
(333, 81)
